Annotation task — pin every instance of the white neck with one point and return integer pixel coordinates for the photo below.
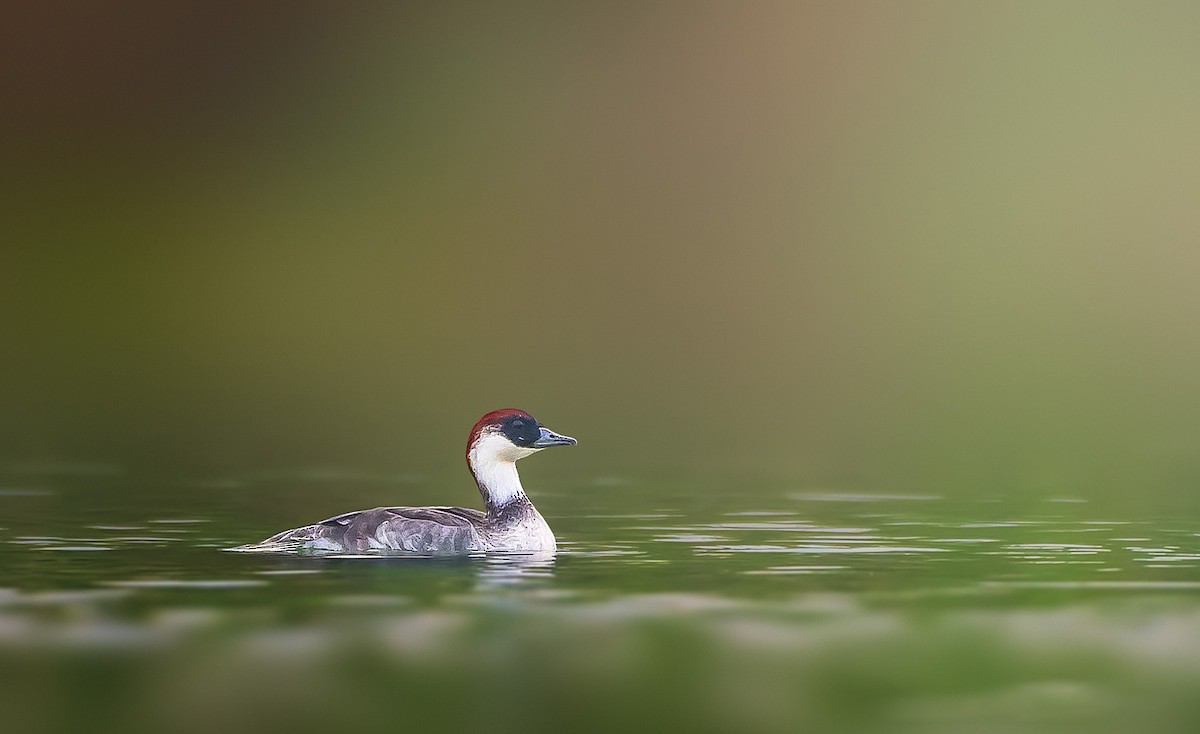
(499, 483)
(493, 460)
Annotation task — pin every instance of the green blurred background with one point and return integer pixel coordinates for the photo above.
(891, 245)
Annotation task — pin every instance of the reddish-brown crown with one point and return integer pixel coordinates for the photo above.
(495, 418)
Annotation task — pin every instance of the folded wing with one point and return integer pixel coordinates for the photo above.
(424, 530)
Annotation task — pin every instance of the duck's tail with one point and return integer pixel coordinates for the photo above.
(289, 541)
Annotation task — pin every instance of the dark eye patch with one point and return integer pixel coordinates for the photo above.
(521, 431)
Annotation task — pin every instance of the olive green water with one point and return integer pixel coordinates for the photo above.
(687, 602)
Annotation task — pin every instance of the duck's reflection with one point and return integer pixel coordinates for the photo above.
(414, 576)
(513, 570)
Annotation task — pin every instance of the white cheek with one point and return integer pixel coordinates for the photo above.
(494, 447)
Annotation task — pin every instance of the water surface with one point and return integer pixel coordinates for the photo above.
(670, 603)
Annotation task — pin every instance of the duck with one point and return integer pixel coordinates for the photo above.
(510, 522)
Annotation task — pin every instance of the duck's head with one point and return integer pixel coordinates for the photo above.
(503, 436)
(497, 441)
